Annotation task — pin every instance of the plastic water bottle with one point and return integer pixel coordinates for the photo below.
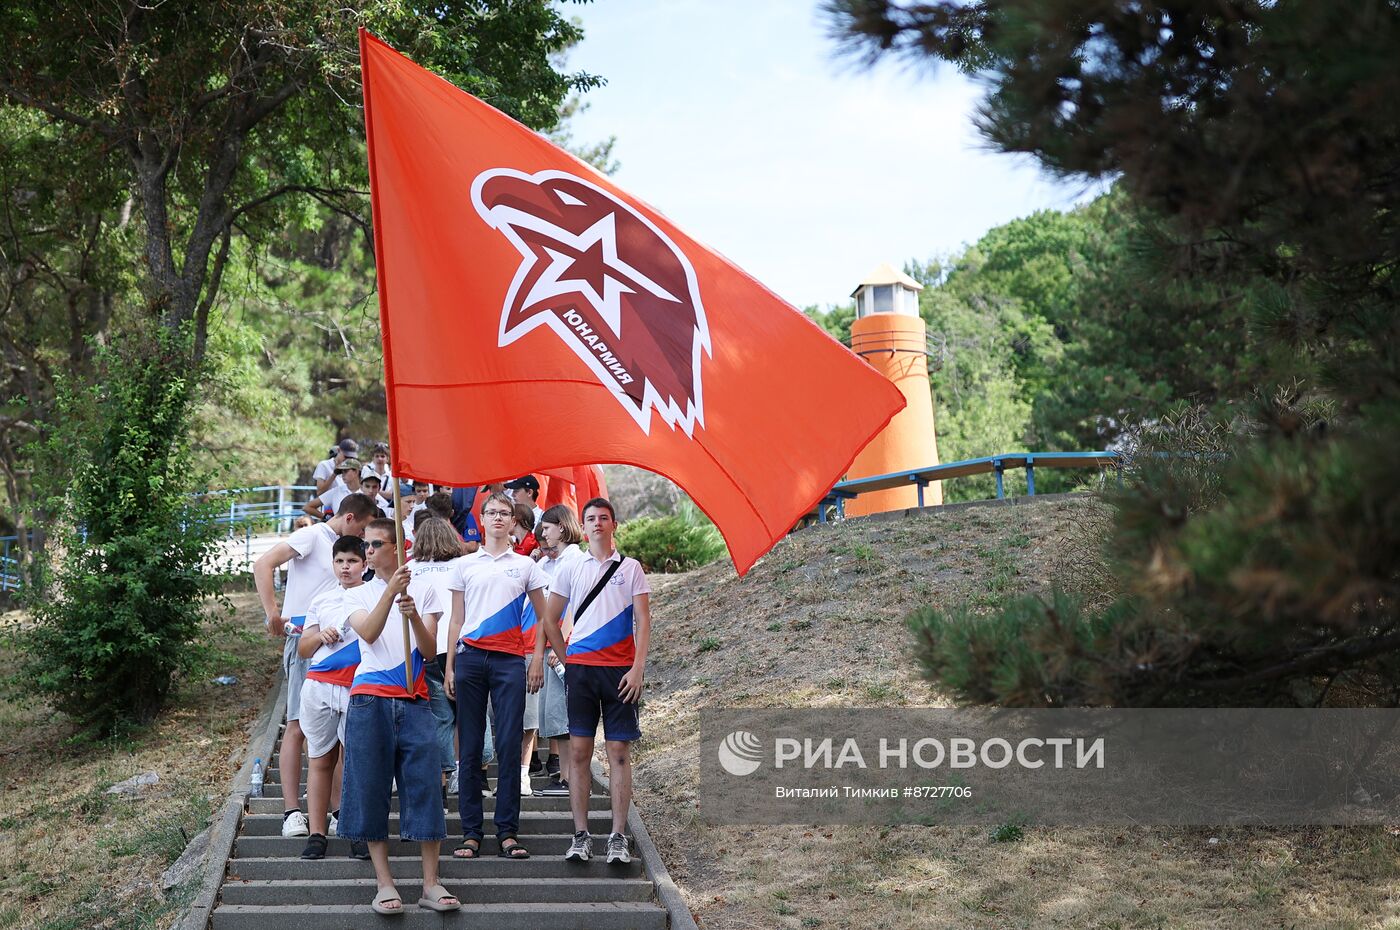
(255, 784)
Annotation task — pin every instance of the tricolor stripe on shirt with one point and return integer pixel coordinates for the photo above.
(603, 634)
(339, 667)
(494, 592)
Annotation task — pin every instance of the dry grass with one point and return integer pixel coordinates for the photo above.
(72, 856)
(819, 621)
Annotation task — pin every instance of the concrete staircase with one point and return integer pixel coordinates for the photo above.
(267, 885)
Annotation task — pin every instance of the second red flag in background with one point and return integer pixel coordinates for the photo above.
(535, 317)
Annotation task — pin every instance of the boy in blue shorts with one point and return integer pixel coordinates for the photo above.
(604, 667)
(390, 731)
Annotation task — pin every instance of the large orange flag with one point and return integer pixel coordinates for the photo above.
(536, 317)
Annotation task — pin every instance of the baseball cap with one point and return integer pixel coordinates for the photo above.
(526, 481)
(351, 464)
(349, 446)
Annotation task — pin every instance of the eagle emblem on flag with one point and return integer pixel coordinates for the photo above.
(615, 288)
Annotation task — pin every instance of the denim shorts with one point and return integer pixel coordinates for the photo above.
(388, 738)
(593, 694)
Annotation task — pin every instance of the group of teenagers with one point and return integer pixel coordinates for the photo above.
(515, 634)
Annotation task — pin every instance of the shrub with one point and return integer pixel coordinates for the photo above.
(1269, 595)
(117, 598)
(679, 542)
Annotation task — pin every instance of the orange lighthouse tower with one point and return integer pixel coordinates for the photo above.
(889, 334)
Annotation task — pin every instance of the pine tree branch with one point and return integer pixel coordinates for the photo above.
(1350, 651)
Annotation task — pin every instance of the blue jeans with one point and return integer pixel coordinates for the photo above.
(480, 674)
(388, 738)
(443, 712)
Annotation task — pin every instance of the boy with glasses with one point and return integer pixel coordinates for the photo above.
(389, 727)
(489, 590)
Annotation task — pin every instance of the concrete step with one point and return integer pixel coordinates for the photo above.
(469, 891)
(531, 822)
(536, 868)
(626, 915)
(276, 758)
(275, 766)
(274, 777)
(597, 802)
(274, 771)
(275, 791)
(290, 847)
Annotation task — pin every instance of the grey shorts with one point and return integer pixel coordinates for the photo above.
(554, 706)
(294, 667)
(532, 705)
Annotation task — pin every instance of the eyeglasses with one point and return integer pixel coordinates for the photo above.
(503, 514)
(376, 543)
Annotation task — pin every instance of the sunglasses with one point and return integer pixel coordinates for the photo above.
(376, 544)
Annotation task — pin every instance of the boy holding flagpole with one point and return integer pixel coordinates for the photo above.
(389, 727)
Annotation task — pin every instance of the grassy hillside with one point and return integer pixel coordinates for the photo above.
(819, 621)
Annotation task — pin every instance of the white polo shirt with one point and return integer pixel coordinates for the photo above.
(311, 571)
(493, 594)
(334, 664)
(551, 568)
(603, 635)
(381, 662)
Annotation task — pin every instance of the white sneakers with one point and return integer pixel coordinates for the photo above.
(452, 781)
(581, 850)
(617, 849)
(525, 788)
(295, 824)
(331, 824)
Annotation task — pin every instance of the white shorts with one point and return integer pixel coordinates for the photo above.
(323, 707)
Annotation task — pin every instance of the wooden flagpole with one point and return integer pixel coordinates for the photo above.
(398, 548)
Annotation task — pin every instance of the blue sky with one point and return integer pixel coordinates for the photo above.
(738, 122)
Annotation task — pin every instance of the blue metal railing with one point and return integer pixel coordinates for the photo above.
(9, 561)
(992, 464)
(279, 505)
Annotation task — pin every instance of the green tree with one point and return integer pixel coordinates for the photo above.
(1255, 568)
(66, 279)
(979, 403)
(215, 128)
(118, 603)
(836, 320)
(223, 112)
